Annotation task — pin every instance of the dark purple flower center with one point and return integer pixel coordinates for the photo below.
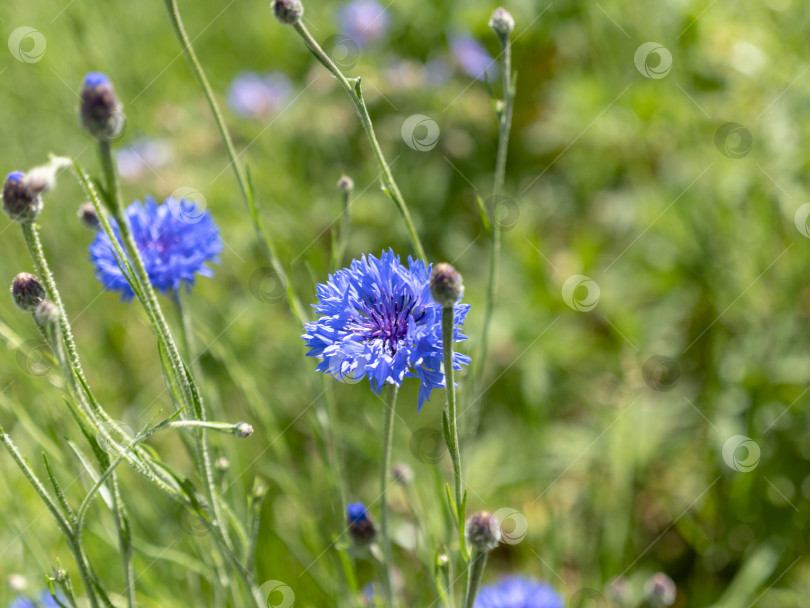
(387, 319)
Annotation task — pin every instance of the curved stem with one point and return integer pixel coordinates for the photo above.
(504, 126)
(388, 438)
(355, 94)
(267, 245)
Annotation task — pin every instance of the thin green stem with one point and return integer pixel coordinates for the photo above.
(124, 542)
(356, 95)
(504, 126)
(388, 439)
(340, 240)
(453, 445)
(478, 562)
(266, 243)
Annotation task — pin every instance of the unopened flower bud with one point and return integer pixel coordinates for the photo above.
(483, 531)
(19, 202)
(260, 489)
(27, 292)
(345, 184)
(288, 12)
(222, 464)
(46, 314)
(243, 429)
(60, 575)
(402, 473)
(100, 109)
(502, 22)
(88, 216)
(361, 527)
(660, 590)
(446, 285)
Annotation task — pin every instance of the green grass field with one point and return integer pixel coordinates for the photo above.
(649, 416)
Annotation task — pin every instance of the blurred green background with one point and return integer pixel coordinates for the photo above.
(614, 468)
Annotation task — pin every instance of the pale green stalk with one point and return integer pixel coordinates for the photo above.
(452, 423)
(388, 439)
(478, 562)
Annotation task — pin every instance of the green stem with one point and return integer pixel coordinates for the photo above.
(267, 245)
(388, 439)
(478, 562)
(355, 94)
(124, 542)
(504, 126)
(341, 242)
(453, 445)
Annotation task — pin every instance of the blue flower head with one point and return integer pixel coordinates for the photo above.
(100, 109)
(256, 96)
(378, 320)
(45, 601)
(518, 592)
(361, 527)
(175, 240)
(364, 21)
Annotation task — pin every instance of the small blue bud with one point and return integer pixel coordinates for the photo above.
(100, 110)
(361, 527)
(19, 202)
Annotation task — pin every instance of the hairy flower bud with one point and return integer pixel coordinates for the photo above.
(243, 429)
(402, 473)
(345, 184)
(27, 292)
(88, 216)
(19, 202)
(288, 12)
(446, 285)
(100, 109)
(46, 314)
(483, 531)
(660, 590)
(361, 527)
(502, 22)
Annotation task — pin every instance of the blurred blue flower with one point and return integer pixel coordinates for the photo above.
(364, 21)
(45, 601)
(518, 592)
(256, 96)
(142, 155)
(473, 58)
(175, 240)
(378, 320)
(361, 527)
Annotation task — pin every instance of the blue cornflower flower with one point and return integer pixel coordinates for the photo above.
(378, 320)
(364, 21)
(256, 96)
(473, 58)
(518, 592)
(45, 601)
(175, 240)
